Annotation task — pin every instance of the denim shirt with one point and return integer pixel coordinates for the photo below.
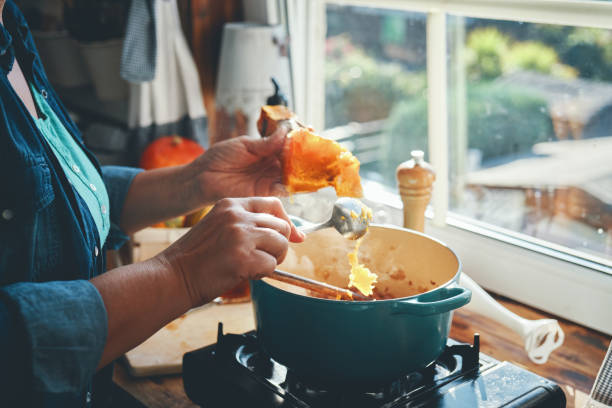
(53, 323)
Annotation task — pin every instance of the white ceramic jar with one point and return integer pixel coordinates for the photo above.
(251, 54)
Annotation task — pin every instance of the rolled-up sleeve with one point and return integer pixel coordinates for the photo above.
(118, 181)
(57, 330)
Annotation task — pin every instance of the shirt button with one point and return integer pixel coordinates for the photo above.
(88, 397)
(76, 168)
(96, 251)
(43, 93)
(8, 214)
(93, 188)
(2, 52)
(103, 209)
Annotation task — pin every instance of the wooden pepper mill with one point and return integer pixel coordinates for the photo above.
(415, 178)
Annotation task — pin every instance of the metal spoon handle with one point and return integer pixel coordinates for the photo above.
(316, 227)
(316, 286)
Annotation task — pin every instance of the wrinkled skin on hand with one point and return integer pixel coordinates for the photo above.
(242, 238)
(242, 167)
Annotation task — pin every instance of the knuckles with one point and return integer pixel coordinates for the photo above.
(229, 211)
(237, 235)
(233, 216)
(225, 204)
(237, 232)
(274, 203)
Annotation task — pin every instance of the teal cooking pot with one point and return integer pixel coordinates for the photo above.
(361, 343)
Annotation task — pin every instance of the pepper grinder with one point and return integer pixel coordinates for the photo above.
(415, 179)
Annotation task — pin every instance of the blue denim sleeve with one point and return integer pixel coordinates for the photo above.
(118, 181)
(56, 330)
(14, 356)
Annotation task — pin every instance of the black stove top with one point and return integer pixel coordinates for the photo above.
(235, 372)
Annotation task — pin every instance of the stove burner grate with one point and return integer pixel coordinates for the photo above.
(237, 372)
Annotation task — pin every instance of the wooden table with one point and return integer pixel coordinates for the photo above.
(573, 366)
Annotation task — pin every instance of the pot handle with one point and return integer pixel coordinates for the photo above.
(436, 302)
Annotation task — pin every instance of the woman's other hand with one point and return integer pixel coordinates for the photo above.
(238, 239)
(241, 167)
(243, 238)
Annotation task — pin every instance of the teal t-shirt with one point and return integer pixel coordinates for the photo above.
(80, 171)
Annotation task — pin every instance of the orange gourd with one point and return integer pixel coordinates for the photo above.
(170, 151)
(173, 151)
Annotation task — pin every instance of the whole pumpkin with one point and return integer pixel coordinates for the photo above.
(170, 151)
(173, 151)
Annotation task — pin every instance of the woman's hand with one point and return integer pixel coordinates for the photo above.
(238, 239)
(241, 167)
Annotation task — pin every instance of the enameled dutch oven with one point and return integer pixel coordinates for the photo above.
(361, 343)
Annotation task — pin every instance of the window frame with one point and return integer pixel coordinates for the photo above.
(533, 273)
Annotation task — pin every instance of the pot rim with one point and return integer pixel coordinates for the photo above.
(454, 280)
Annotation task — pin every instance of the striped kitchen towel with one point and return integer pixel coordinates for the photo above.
(601, 394)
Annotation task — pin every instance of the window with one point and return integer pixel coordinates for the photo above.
(531, 152)
(530, 116)
(375, 75)
(513, 114)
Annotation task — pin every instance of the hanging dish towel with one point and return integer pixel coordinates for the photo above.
(172, 103)
(139, 45)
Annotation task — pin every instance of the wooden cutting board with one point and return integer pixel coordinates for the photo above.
(163, 352)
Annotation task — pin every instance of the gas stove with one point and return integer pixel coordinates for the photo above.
(236, 372)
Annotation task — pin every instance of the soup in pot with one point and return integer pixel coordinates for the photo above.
(406, 263)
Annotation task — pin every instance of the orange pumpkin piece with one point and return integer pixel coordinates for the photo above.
(311, 162)
(270, 117)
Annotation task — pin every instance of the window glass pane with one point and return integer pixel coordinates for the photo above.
(375, 73)
(531, 129)
(530, 116)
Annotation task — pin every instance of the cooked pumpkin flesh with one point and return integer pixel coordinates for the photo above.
(366, 213)
(361, 277)
(364, 216)
(311, 162)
